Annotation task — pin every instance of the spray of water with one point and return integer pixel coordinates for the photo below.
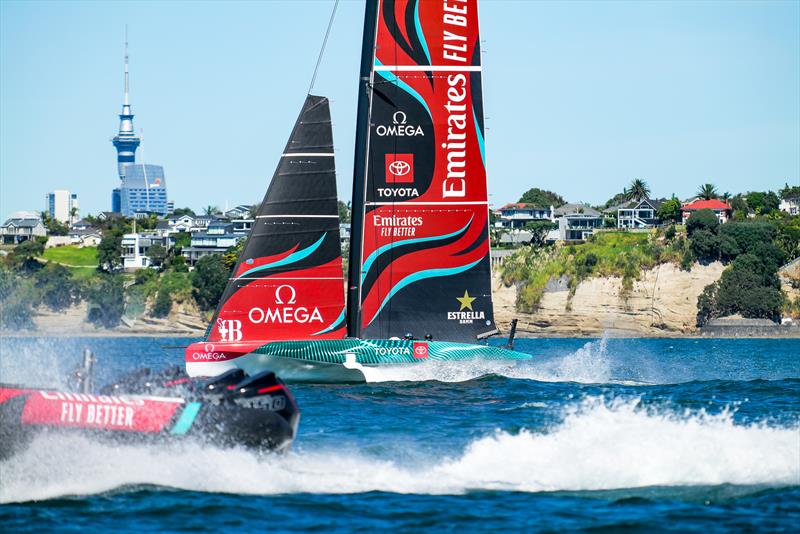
(590, 364)
(598, 445)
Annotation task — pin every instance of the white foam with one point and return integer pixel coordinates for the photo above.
(591, 364)
(598, 445)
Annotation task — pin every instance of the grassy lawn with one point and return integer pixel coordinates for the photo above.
(72, 256)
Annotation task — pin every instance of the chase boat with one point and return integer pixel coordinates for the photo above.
(231, 410)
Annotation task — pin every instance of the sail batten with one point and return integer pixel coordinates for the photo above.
(419, 256)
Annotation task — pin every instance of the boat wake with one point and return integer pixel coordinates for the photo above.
(591, 364)
(598, 445)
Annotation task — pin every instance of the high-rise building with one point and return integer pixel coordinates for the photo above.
(62, 206)
(142, 188)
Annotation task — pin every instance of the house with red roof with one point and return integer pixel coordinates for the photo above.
(721, 209)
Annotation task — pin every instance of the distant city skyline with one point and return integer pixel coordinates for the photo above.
(580, 98)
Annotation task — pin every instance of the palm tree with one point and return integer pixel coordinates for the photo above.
(211, 210)
(638, 190)
(725, 197)
(707, 192)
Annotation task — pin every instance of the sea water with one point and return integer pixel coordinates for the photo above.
(643, 434)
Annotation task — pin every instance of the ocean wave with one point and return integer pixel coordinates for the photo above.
(598, 445)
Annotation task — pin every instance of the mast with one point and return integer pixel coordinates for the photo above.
(360, 169)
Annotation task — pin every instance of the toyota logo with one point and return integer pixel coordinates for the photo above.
(421, 349)
(399, 168)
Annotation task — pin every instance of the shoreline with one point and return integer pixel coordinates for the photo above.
(610, 334)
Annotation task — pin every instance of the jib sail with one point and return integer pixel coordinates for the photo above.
(419, 260)
(287, 283)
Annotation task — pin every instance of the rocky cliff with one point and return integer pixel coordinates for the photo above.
(662, 303)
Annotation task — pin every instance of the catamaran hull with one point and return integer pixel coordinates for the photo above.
(334, 361)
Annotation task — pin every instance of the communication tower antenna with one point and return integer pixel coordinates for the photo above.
(144, 170)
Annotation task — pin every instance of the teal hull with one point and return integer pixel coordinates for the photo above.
(351, 360)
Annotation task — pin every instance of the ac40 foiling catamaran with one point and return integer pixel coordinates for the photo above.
(419, 281)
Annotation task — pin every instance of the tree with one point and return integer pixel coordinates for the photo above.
(617, 199)
(254, 210)
(707, 192)
(790, 192)
(749, 286)
(157, 255)
(542, 198)
(344, 211)
(539, 230)
(183, 211)
(25, 254)
(702, 220)
(106, 298)
(670, 210)
(739, 203)
(762, 202)
(16, 301)
(209, 280)
(232, 254)
(109, 252)
(728, 247)
(704, 245)
(749, 235)
(210, 210)
(638, 190)
(182, 240)
(163, 303)
(56, 227)
(178, 264)
(57, 287)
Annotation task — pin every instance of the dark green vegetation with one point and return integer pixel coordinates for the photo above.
(541, 198)
(58, 278)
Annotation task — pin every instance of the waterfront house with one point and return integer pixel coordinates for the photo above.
(721, 209)
(216, 239)
(790, 205)
(242, 211)
(638, 213)
(515, 216)
(135, 249)
(577, 222)
(21, 228)
(88, 237)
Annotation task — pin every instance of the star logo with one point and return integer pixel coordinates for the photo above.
(466, 301)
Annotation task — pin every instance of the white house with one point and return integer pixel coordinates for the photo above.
(790, 205)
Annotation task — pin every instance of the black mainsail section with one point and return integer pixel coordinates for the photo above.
(287, 283)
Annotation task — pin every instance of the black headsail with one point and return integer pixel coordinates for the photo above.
(287, 283)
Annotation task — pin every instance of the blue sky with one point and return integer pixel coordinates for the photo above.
(580, 98)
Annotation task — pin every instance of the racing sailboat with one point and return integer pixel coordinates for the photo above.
(419, 280)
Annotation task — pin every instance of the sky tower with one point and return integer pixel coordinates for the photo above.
(126, 141)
